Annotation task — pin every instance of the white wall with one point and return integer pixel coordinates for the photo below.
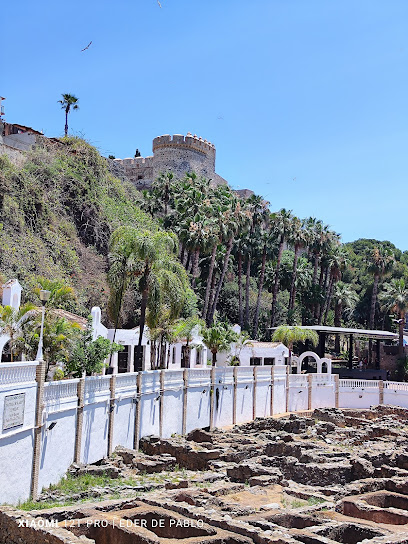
(358, 393)
(16, 445)
(163, 397)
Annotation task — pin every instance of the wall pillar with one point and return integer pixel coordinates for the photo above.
(131, 358)
(288, 369)
(39, 408)
(111, 413)
(114, 363)
(185, 397)
(309, 391)
(234, 398)
(138, 400)
(79, 420)
(336, 390)
(272, 387)
(212, 403)
(254, 393)
(381, 392)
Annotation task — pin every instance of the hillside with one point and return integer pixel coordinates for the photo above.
(57, 212)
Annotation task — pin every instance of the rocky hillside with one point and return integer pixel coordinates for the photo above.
(57, 211)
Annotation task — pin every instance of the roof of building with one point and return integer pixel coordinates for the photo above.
(374, 334)
(256, 344)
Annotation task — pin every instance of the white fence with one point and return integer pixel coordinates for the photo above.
(46, 427)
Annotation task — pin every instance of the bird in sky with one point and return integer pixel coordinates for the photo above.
(159, 4)
(87, 47)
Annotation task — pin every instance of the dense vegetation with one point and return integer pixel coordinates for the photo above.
(185, 250)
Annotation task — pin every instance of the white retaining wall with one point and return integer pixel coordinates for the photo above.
(84, 420)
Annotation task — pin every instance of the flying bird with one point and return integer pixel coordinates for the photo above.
(159, 4)
(87, 47)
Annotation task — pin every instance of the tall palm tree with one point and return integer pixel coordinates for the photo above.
(380, 261)
(395, 299)
(298, 238)
(234, 218)
(280, 224)
(267, 239)
(68, 101)
(344, 297)
(338, 260)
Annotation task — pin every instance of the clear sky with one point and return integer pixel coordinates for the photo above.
(305, 100)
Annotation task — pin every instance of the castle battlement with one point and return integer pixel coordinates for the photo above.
(136, 161)
(189, 141)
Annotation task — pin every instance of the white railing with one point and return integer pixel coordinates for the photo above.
(97, 384)
(360, 384)
(322, 379)
(198, 378)
(17, 372)
(298, 380)
(151, 381)
(126, 380)
(64, 389)
(396, 386)
(224, 375)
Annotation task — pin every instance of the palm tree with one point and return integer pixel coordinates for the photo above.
(280, 224)
(380, 261)
(338, 260)
(184, 331)
(395, 299)
(298, 238)
(344, 297)
(12, 321)
(68, 101)
(218, 337)
(234, 218)
(162, 187)
(290, 335)
(62, 295)
(267, 238)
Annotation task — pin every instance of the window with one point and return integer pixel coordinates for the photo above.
(269, 360)
(255, 361)
(173, 359)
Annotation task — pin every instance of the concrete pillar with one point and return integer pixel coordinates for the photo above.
(111, 414)
(234, 398)
(350, 360)
(254, 393)
(212, 403)
(288, 369)
(39, 409)
(161, 405)
(185, 399)
(336, 390)
(114, 363)
(137, 411)
(272, 387)
(131, 358)
(381, 392)
(309, 391)
(80, 420)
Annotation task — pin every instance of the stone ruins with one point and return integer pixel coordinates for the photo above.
(325, 477)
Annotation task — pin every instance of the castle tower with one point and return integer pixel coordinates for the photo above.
(181, 155)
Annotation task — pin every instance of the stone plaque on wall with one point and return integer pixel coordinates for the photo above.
(13, 414)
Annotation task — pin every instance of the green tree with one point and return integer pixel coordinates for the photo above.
(218, 337)
(380, 261)
(344, 297)
(68, 102)
(184, 332)
(394, 298)
(280, 224)
(12, 322)
(88, 356)
(290, 335)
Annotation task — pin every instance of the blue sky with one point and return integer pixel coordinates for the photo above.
(305, 100)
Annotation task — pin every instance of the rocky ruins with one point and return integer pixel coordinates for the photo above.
(325, 477)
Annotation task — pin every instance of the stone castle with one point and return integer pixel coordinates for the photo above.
(177, 154)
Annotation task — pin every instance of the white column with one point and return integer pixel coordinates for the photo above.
(131, 358)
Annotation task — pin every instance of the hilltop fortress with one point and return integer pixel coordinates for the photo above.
(177, 154)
